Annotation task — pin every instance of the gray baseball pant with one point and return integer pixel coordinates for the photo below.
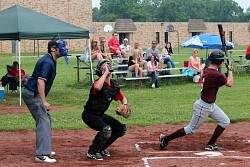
(202, 110)
(43, 121)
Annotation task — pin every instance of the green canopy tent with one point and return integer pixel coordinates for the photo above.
(19, 23)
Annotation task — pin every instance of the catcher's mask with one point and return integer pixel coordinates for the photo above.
(61, 45)
(217, 57)
(99, 70)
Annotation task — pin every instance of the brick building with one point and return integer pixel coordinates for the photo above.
(79, 13)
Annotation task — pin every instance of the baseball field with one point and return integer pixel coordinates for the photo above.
(155, 111)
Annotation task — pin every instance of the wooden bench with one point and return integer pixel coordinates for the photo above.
(78, 67)
(144, 71)
(243, 67)
(240, 61)
(161, 76)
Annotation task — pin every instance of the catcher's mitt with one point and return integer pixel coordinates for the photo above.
(123, 110)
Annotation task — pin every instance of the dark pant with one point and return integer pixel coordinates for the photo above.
(98, 123)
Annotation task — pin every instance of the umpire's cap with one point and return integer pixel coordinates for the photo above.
(52, 44)
(217, 57)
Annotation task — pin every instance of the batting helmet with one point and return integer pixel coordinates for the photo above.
(217, 57)
(99, 70)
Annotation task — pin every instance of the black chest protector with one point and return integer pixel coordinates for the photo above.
(98, 104)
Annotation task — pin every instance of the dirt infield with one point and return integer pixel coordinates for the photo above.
(17, 148)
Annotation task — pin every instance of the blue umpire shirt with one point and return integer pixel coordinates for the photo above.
(45, 69)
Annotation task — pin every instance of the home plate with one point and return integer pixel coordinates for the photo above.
(210, 153)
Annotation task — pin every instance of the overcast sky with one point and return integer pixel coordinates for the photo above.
(243, 3)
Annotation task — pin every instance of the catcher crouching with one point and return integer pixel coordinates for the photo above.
(102, 92)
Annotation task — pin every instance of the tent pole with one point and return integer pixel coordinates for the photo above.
(16, 49)
(90, 59)
(34, 47)
(20, 80)
(38, 48)
(206, 52)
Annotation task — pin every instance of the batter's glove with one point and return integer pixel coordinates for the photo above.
(124, 110)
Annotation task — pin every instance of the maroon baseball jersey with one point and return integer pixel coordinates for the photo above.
(212, 80)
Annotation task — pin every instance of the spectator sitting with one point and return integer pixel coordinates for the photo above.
(152, 71)
(153, 50)
(114, 47)
(12, 77)
(194, 63)
(102, 48)
(167, 55)
(134, 66)
(125, 48)
(138, 55)
(95, 52)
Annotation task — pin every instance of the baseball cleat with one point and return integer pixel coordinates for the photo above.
(163, 143)
(96, 156)
(105, 153)
(213, 147)
(45, 159)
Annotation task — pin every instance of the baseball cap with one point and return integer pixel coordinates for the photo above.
(125, 39)
(52, 44)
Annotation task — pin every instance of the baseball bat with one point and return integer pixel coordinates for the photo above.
(223, 41)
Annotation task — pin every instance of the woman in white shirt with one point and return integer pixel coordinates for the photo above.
(152, 67)
(167, 55)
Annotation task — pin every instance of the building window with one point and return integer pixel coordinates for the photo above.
(195, 33)
(166, 37)
(157, 37)
(230, 36)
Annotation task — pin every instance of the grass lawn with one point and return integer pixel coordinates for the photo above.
(172, 103)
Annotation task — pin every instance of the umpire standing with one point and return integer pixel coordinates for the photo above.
(34, 95)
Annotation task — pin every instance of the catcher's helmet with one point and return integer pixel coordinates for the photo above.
(217, 57)
(99, 70)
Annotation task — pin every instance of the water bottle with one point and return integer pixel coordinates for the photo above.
(67, 60)
(86, 55)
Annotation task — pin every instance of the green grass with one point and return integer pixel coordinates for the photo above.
(172, 103)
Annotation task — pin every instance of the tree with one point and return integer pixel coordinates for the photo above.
(95, 15)
(225, 10)
(120, 9)
(171, 10)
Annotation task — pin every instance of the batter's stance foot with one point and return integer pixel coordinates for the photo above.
(213, 147)
(163, 143)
